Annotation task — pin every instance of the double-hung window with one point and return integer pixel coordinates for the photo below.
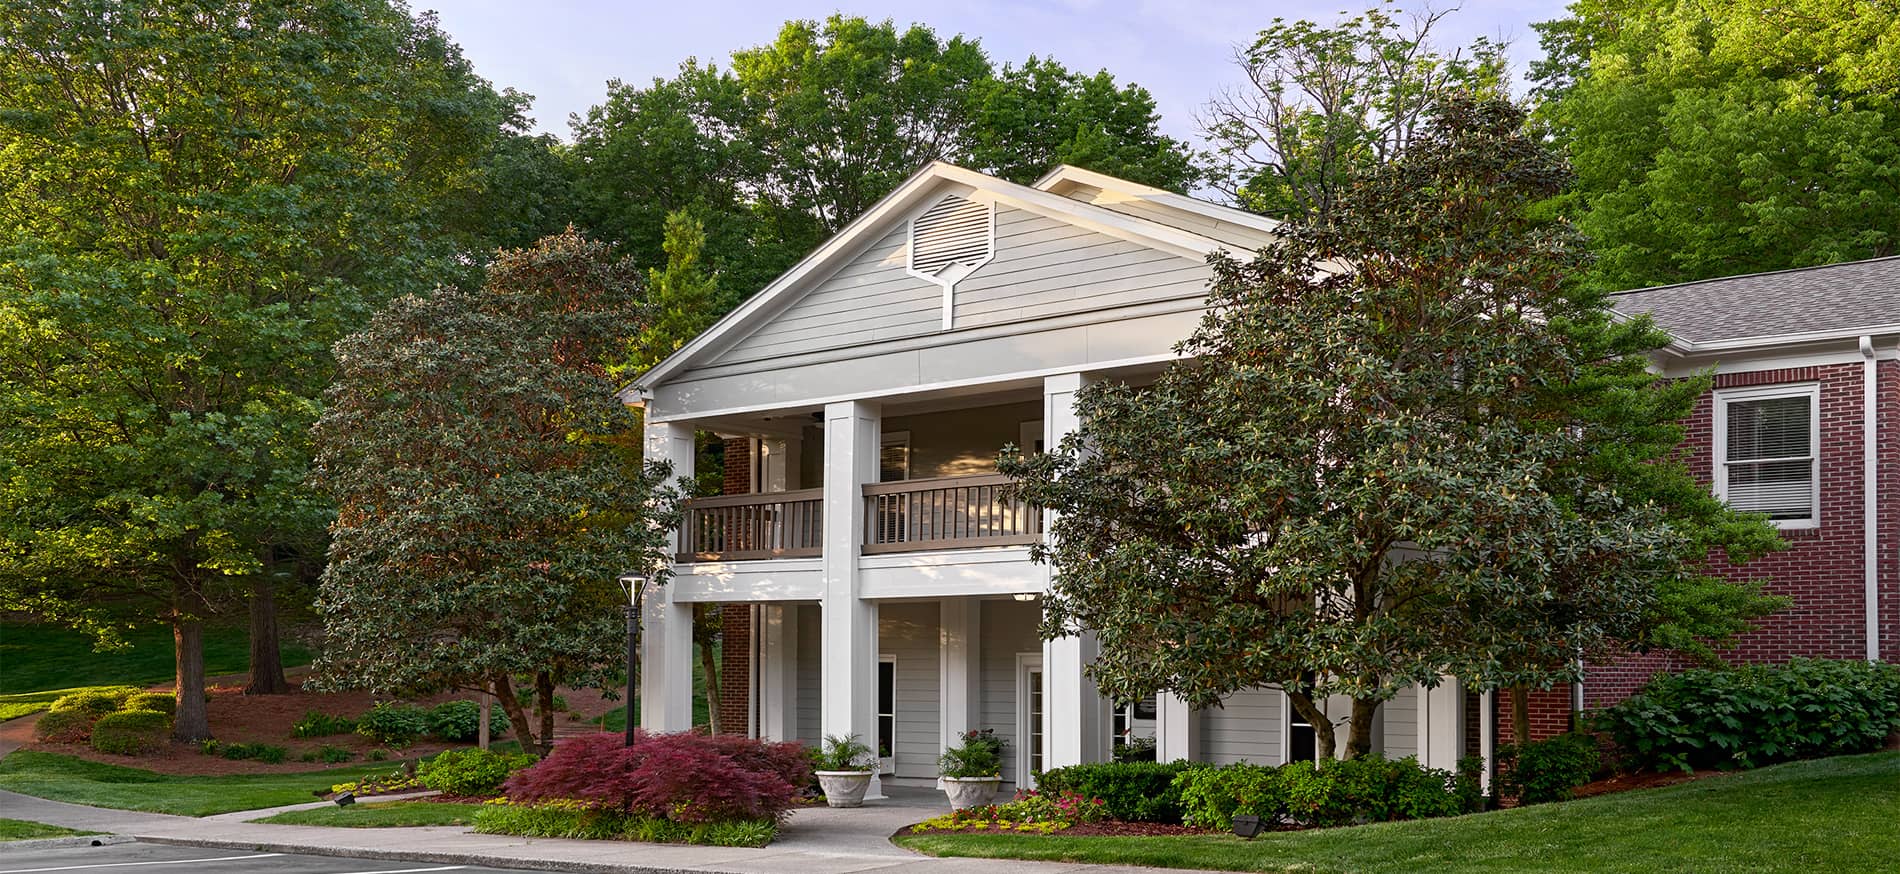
(1767, 452)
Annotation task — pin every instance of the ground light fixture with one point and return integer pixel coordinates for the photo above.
(633, 585)
(345, 799)
(1246, 826)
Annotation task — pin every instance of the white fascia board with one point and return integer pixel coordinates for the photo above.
(1215, 211)
(812, 266)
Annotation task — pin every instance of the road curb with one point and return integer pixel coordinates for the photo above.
(68, 841)
(483, 860)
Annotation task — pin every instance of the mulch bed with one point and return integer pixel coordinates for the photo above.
(1642, 780)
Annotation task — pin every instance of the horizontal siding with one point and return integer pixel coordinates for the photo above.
(1401, 725)
(908, 633)
(1245, 728)
(1241, 237)
(1008, 629)
(809, 678)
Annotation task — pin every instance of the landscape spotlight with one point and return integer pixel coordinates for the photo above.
(345, 799)
(1246, 826)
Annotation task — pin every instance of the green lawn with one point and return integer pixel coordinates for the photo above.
(65, 778)
(16, 706)
(26, 830)
(1833, 815)
(392, 814)
(36, 657)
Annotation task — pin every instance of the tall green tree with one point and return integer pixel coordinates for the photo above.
(486, 482)
(1718, 137)
(1362, 477)
(1027, 119)
(1322, 103)
(196, 200)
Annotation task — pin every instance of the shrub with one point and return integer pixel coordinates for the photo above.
(1756, 715)
(1132, 791)
(1469, 785)
(471, 771)
(316, 723)
(1033, 811)
(65, 726)
(99, 701)
(842, 754)
(978, 753)
(461, 721)
(163, 702)
(678, 777)
(1546, 770)
(1365, 789)
(558, 820)
(393, 725)
(131, 732)
(270, 755)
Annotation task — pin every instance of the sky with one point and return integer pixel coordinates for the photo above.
(564, 51)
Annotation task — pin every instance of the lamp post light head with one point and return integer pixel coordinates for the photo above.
(631, 584)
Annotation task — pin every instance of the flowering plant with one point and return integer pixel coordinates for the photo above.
(1029, 811)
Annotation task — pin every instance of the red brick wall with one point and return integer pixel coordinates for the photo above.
(1822, 569)
(1549, 709)
(735, 665)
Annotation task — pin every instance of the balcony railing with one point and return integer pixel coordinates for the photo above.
(739, 527)
(954, 512)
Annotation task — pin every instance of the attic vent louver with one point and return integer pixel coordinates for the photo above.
(949, 241)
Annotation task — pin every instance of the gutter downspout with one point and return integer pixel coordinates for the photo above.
(1870, 507)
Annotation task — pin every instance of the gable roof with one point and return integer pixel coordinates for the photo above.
(1805, 303)
(1067, 177)
(928, 182)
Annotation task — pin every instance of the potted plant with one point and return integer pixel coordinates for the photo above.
(973, 769)
(843, 767)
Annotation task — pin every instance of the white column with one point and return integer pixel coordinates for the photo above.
(778, 672)
(666, 633)
(848, 696)
(960, 694)
(1440, 724)
(1487, 736)
(1177, 730)
(1075, 714)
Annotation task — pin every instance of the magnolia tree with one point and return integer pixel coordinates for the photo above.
(1376, 464)
(489, 486)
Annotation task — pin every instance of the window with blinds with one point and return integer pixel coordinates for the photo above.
(1766, 453)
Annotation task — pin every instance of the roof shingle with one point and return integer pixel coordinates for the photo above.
(1834, 297)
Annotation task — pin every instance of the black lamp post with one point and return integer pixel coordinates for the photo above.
(633, 585)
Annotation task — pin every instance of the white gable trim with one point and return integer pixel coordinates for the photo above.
(876, 220)
(1066, 173)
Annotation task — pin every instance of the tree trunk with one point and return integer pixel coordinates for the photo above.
(1520, 714)
(709, 661)
(1323, 739)
(504, 687)
(1359, 739)
(544, 702)
(191, 723)
(267, 660)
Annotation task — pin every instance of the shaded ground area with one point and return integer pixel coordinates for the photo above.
(39, 656)
(134, 857)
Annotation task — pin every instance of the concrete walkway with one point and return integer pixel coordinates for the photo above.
(816, 841)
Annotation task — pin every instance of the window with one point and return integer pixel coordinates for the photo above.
(1029, 717)
(893, 459)
(1765, 452)
(1302, 742)
(1127, 715)
(886, 712)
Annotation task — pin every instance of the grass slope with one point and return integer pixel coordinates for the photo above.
(27, 830)
(65, 778)
(39, 657)
(1835, 815)
(393, 814)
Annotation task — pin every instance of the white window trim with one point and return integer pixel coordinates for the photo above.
(888, 764)
(1026, 663)
(1719, 442)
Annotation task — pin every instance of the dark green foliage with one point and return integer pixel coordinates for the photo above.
(1133, 791)
(393, 725)
(1756, 715)
(316, 723)
(266, 753)
(1547, 770)
(328, 754)
(1368, 788)
(461, 721)
(65, 726)
(1140, 749)
(471, 771)
(842, 754)
(131, 732)
(97, 702)
(977, 753)
(163, 702)
(560, 821)
(1469, 784)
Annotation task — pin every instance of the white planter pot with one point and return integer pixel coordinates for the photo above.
(844, 788)
(970, 791)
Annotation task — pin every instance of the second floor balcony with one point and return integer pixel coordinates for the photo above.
(953, 512)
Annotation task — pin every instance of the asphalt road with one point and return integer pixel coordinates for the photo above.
(139, 858)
